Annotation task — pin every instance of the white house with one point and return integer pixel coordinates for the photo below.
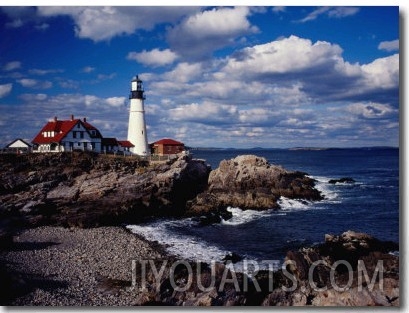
(18, 146)
(67, 135)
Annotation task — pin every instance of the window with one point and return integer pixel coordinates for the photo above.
(78, 125)
(81, 135)
(74, 134)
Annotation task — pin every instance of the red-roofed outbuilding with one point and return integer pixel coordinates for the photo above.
(67, 135)
(167, 146)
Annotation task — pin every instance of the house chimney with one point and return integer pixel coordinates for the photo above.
(72, 117)
(55, 119)
(85, 119)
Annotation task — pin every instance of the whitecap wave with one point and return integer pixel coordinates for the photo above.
(327, 190)
(244, 216)
(190, 248)
(183, 246)
(293, 204)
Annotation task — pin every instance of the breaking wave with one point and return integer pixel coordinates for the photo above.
(244, 216)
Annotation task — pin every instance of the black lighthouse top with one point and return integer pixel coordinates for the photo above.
(136, 89)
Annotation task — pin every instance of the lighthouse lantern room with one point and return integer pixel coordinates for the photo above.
(137, 125)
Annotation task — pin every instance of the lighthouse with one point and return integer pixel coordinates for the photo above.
(137, 126)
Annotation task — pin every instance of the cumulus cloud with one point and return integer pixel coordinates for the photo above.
(382, 73)
(184, 72)
(5, 89)
(11, 66)
(34, 83)
(202, 33)
(104, 23)
(116, 101)
(288, 55)
(318, 69)
(206, 113)
(389, 45)
(154, 57)
(302, 90)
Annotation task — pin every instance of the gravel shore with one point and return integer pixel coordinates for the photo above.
(73, 267)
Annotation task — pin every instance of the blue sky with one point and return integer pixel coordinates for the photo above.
(214, 76)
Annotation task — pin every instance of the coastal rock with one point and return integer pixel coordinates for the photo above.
(86, 190)
(352, 269)
(343, 180)
(329, 283)
(250, 182)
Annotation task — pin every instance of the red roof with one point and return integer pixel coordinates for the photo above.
(125, 143)
(61, 129)
(168, 142)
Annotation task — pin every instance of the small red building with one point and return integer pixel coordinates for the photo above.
(167, 146)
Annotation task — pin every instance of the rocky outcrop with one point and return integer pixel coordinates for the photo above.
(343, 180)
(250, 182)
(353, 269)
(343, 271)
(86, 190)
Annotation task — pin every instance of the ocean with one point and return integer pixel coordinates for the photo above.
(369, 205)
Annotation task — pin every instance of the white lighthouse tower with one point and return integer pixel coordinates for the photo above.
(137, 126)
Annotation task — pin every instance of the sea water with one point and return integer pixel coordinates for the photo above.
(369, 205)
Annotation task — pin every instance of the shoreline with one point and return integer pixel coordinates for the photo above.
(56, 266)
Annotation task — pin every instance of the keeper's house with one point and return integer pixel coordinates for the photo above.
(67, 135)
(167, 146)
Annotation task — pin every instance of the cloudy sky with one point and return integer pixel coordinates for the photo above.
(213, 76)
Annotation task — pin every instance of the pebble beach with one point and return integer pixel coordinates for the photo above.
(56, 266)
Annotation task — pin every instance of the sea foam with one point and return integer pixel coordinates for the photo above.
(244, 216)
(181, 245)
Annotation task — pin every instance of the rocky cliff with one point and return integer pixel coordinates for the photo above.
(250, 182)
(86, 190)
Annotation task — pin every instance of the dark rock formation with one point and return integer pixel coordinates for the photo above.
(333, 273)
(87, 190)
(250, 182)
(328, 283)
(343, 180)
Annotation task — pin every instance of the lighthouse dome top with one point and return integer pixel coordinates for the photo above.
(136, 89)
